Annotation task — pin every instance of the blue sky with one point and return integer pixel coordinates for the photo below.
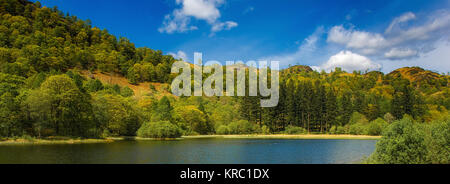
(355, 35)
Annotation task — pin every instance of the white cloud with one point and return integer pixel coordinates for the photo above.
(410, 37)
(179, 55)
(349, 62)
(206, 10)
(356, 39)
(435, 60)
(177, 22)
(403, 18)
(304, 51)
(223, 26)
(396, 53)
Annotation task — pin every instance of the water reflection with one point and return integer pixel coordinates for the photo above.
(201, 151)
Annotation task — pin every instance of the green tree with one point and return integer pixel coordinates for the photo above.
(159, 129)
(60, 103)
(403, 142)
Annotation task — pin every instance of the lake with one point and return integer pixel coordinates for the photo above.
(194, 151)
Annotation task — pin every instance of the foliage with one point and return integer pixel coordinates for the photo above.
(42, 39)
(193, 120)
(438, 141)
(223, 130)
(117, 115)
(243, 127)
(159, 129)
(403, 142)
(295, 130)
(126, 92)
(376, 127)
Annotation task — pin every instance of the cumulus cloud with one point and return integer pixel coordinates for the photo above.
(353, 39)
(206, 10)
(349, 62)
(179, 55)
(413, 38)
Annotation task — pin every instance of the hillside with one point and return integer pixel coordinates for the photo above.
(419, 76)
(36, 39)
(140, 90)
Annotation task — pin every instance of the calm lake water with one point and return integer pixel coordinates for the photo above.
(197, 151)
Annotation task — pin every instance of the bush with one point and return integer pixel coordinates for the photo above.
(388, 117)
(93, 85)
(358, 129)
(152, 88)
(438, 142)
(338, 130)
(403, 142)
(376, 127)
(358, 118)
(223, 130)
(160, 129)
(243, 127)
(126, 92)
(341, 130)
(294, 130)
(265, 130)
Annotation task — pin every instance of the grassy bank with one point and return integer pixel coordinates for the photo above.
(281, 136)
(36, 141)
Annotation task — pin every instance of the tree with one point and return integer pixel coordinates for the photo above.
(402, 143)
(126, 92)
(93, 85)
(377, 126)
(194, 120)
(159, 129)
(116, 115)
(163, 110)
(60, 102)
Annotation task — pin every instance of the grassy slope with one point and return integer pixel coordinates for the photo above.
(140, 90)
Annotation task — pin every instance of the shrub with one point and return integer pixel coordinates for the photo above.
(341, 130)
(265, 130)
(403, 142)
(294, 130)
(358, 129)
(438, 142)
(126, 92)
(243, 127)
(376, 127)
(160, 129)
(223, 130)
(152, 87)
(358, 118)
(338, 130)
(388, 117)
(93, 85)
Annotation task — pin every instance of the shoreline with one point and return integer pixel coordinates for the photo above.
(49, 142)
(113, 139)
(283, 136)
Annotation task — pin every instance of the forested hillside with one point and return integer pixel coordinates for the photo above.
(36, 39)
(52, 83)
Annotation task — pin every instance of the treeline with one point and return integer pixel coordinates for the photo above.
(65, 105)
(334, 102)
(36, 39)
